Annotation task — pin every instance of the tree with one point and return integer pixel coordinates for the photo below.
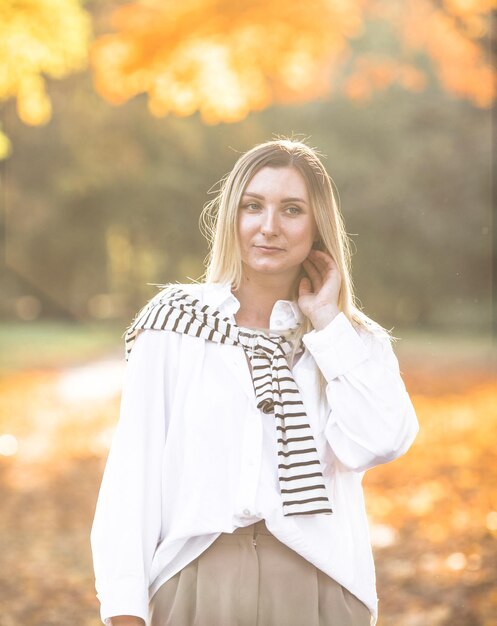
(225, 59)
(39, 38)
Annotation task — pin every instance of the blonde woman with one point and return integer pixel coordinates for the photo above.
(253, 403)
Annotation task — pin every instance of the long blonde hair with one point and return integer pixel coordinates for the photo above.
(218, 222)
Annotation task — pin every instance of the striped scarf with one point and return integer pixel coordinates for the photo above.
(301, 480)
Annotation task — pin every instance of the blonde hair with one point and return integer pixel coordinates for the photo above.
(218, 222)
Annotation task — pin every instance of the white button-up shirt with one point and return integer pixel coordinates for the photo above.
(192, 456)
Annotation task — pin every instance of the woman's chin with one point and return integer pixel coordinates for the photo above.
(268, 268)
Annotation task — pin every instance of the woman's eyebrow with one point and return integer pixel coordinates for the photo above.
(256, 195)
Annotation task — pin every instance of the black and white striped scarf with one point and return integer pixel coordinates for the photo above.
(299, 469)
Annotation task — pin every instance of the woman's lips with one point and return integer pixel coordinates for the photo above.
(269, 250)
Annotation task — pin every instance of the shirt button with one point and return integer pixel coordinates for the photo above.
(246, 512)
(278, 323)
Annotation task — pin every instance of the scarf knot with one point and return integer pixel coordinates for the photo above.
(266, 406)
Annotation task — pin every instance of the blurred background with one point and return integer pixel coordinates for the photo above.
(118, 120)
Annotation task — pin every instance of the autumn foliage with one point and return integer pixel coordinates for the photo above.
(221, 58)
(432, 513)
(226, 59)
(38, 39)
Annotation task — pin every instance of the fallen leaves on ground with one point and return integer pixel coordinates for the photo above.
(433, 513)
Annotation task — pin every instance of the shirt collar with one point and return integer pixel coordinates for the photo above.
(285, 314)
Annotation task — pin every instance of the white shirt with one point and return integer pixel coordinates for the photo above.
(192, 456)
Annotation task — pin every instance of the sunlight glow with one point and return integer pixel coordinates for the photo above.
(382, 535)
(8, 445)
(456, 561)
(93, 382)
(492, 520)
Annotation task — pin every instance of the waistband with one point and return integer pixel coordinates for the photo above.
(259, 528)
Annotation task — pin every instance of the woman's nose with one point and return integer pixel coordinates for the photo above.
(270, 223)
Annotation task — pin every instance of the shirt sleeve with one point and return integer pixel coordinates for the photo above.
(371, 418)
(127, 521)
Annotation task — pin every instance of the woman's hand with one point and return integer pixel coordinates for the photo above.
(318, 294)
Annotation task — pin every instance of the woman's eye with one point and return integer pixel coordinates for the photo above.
(294, 210)
(252, 206)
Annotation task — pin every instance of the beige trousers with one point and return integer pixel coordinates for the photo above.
(250, 578)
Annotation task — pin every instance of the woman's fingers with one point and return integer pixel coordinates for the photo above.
(325, 278)
(305, 286)
(329, 275)
(323, 261)
(314, 274)
(326, 265)
(322, 264)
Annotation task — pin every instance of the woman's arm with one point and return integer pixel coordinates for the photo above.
(371, 417)
(127, 523)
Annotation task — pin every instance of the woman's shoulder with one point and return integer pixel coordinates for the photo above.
(148, 318)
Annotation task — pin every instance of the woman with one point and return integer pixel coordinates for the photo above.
(232, 491)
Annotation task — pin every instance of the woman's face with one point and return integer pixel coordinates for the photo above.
(276, 224)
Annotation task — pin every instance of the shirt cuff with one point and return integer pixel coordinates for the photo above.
(128, 596)
(337, 347)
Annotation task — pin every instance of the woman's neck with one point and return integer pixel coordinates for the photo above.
(257, 300)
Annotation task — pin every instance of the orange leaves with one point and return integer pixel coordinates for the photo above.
(450, 36)
(433, 512)
(467, 9)
(38, 38)
(449, 39)
(223, 59)
(226, 59)
(440, 506)
(43, 37)
(372, 73)
(447, 468)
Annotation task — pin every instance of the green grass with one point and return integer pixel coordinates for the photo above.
(455, 347)
(56, 344)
